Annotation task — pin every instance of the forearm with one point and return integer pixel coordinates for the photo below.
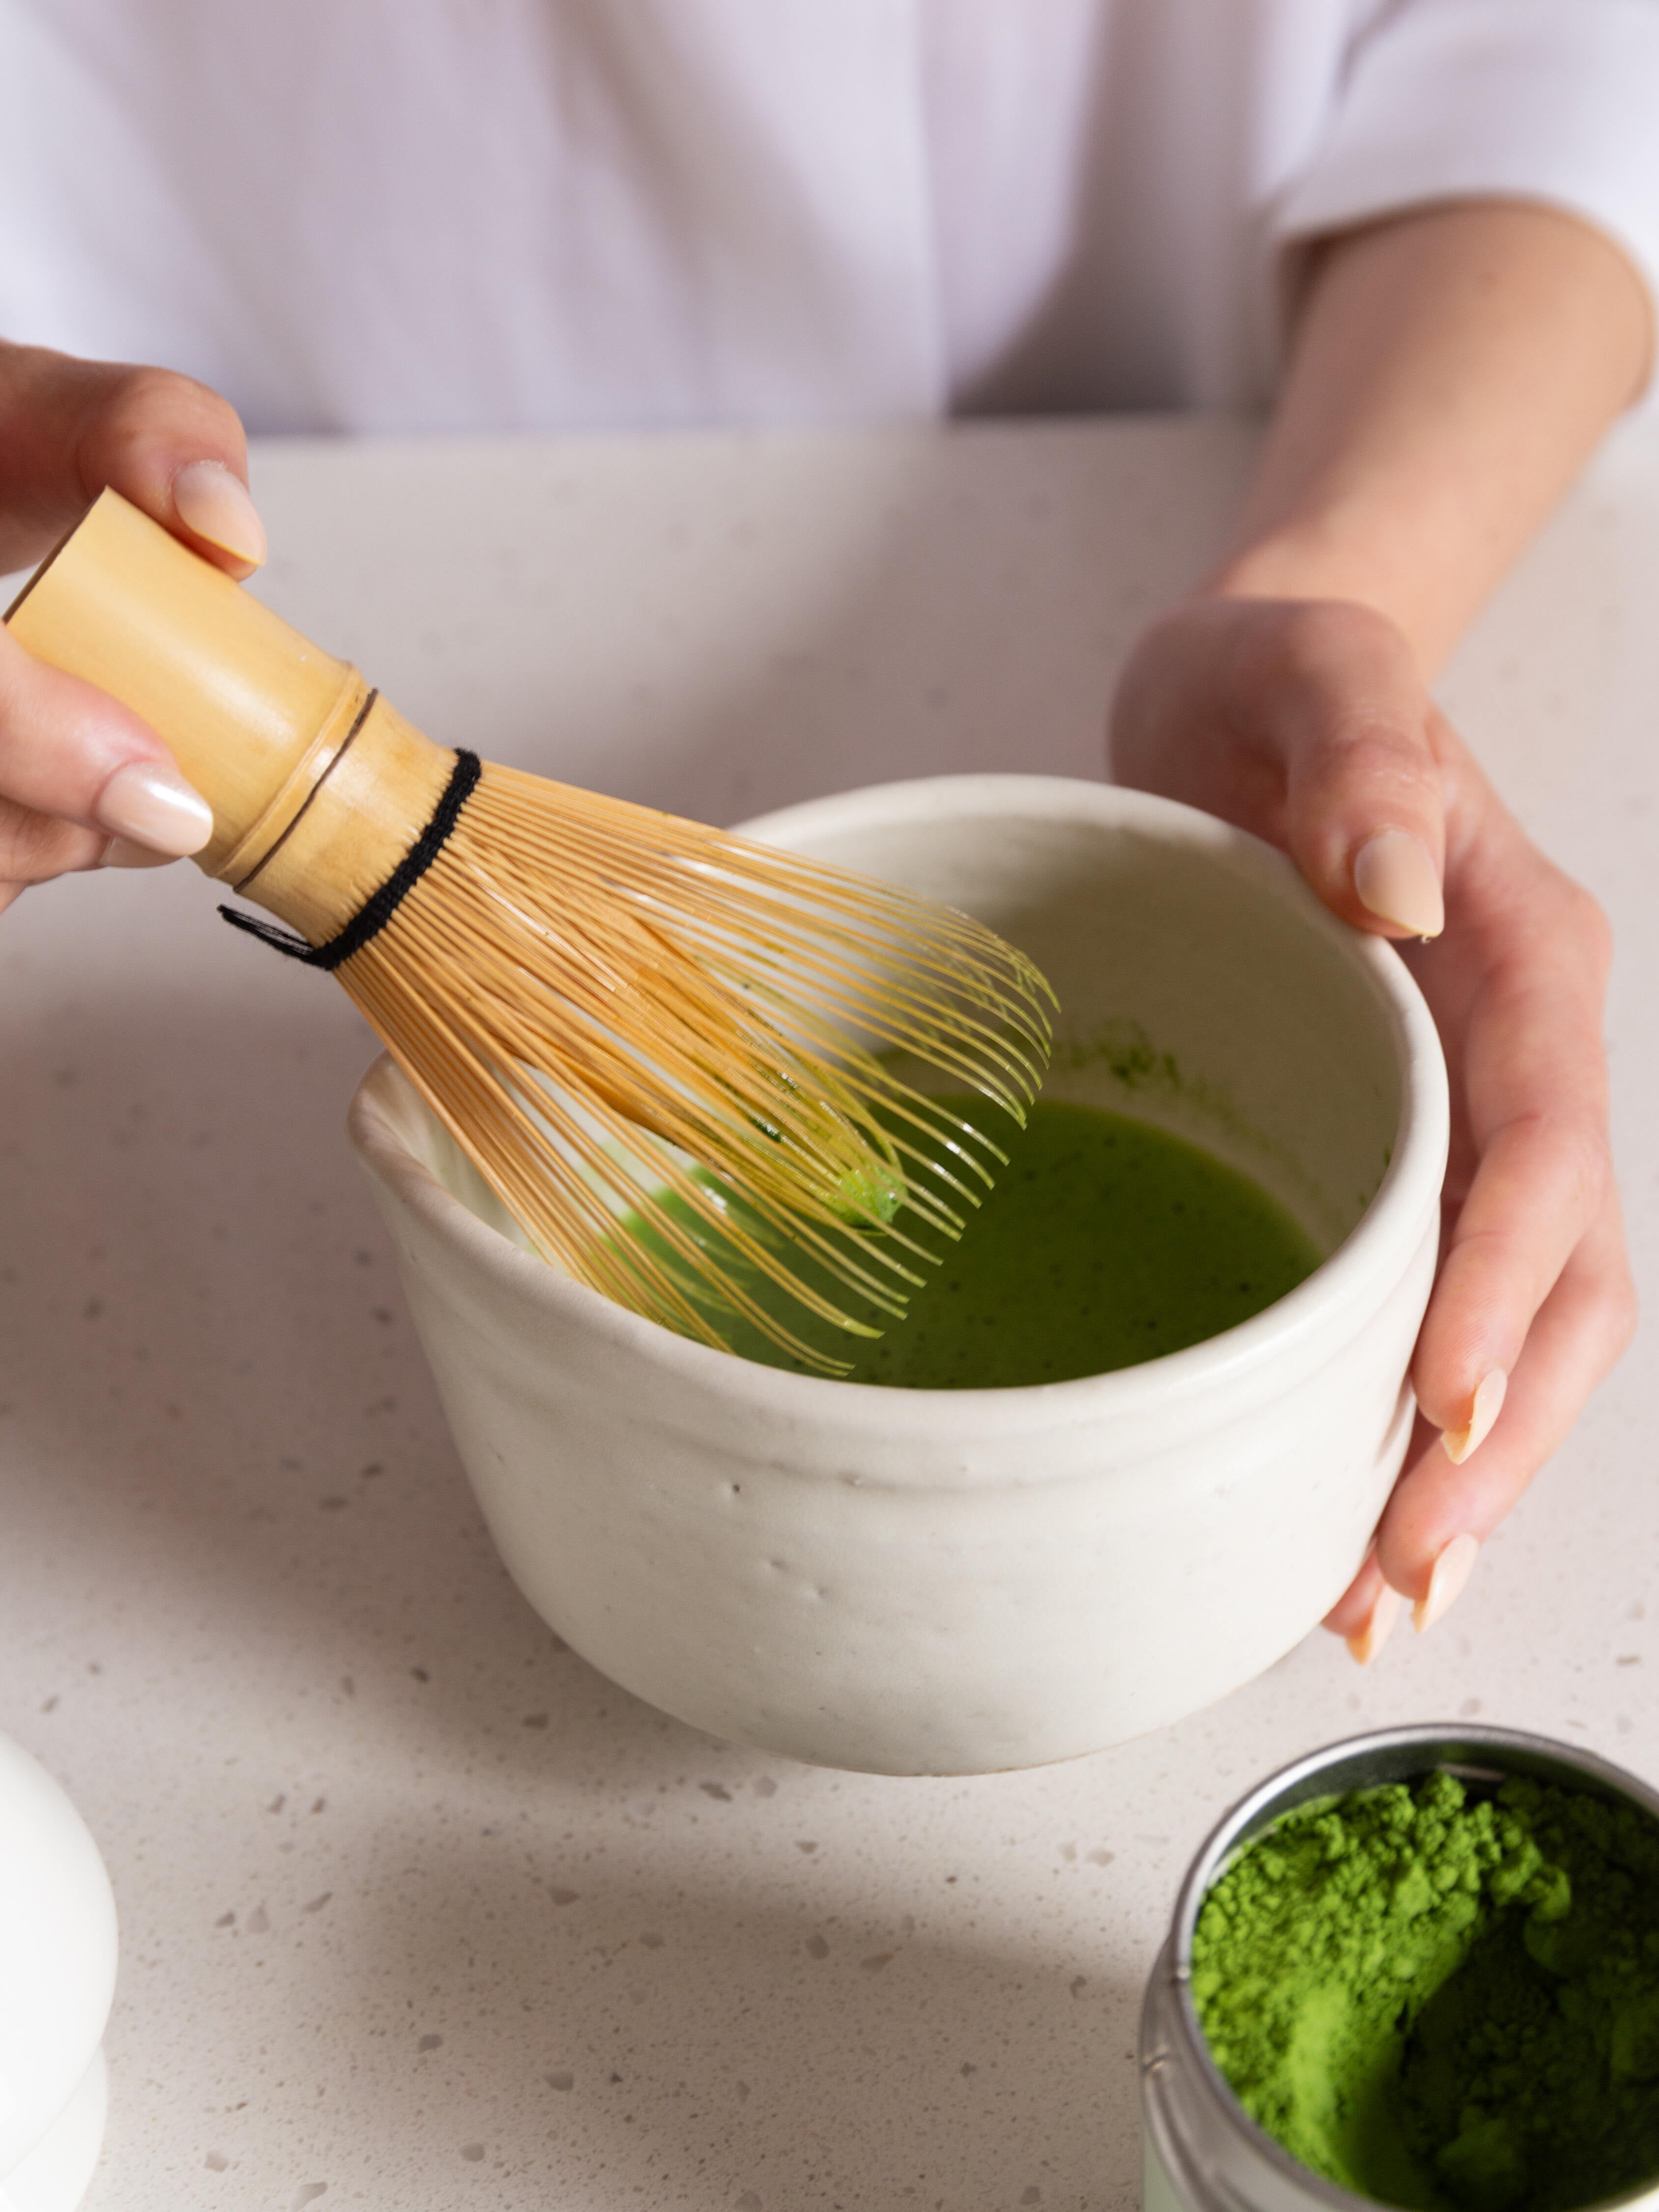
(1451, 371)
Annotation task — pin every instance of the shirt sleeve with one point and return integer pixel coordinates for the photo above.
(1551, 101)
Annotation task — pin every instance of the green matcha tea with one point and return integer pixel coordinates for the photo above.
(1103, 1243)
(1443, 2002)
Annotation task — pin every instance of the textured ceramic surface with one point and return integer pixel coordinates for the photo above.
(57, 1980)
(940, 1581)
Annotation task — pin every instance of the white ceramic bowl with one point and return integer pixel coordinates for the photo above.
(955, 1582)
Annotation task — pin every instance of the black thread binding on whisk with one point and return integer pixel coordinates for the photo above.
(379, 907)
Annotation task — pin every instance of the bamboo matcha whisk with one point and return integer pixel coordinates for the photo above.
(604, 1006)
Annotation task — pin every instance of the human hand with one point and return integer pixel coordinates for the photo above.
(1307, 722)
(83, 782)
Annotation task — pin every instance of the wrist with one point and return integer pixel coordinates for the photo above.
(1317, 557)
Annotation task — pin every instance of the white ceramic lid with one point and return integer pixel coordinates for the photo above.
(57, 1955)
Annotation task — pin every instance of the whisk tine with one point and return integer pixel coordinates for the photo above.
(659, 1044)
(481, 1110)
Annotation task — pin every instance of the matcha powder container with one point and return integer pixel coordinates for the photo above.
(1419, 1968)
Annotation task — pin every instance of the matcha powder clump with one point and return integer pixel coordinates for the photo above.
(1441, 2003)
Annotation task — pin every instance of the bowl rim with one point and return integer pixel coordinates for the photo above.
(1404, 1200)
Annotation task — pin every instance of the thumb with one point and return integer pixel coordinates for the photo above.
(76, 768)
(1360, 741)
(70, 752)
(69, 429)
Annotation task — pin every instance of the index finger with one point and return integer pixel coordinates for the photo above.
(1535, 1080)
(69, 429)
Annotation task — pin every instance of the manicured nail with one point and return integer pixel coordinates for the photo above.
(215, 504)
(1451, 1570)
(1396, 879)
(1484, 1407)
(1367, 1640)
(121, 852)
(152, 804)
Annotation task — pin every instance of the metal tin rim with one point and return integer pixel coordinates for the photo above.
(1362, 1762)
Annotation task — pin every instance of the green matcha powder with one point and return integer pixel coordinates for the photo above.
(1440, 2003)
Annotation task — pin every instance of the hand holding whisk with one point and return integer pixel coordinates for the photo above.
(609, 1008)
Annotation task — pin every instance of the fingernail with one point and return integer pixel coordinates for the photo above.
(154, 806)
(1451, 1570)
(121, 852)
(215, 504)
(1367, 1640)
(1396, 879)
(1484, 1407)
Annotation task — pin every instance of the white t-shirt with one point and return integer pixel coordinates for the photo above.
(473, 214)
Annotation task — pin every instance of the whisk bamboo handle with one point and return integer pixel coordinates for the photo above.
(318, 787)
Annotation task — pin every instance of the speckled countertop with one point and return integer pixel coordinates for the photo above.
(417, 1910)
